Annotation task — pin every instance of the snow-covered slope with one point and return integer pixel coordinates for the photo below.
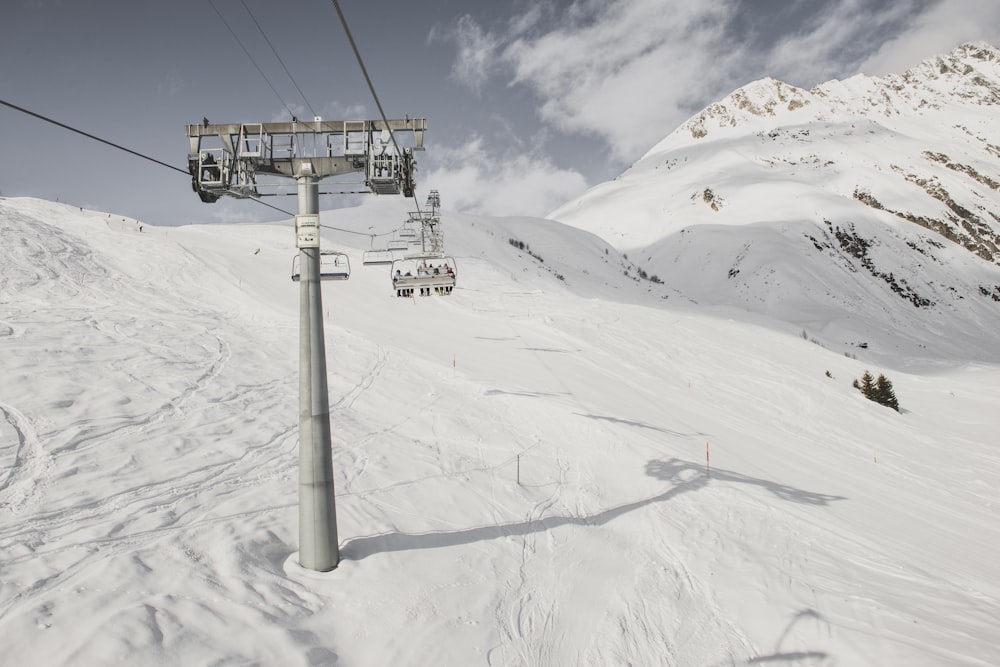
(520, 467)
(863, 210)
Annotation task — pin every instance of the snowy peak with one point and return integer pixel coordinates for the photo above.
(764, 98)
(872, 203)
(970, 73)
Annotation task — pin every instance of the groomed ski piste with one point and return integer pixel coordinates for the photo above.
(520, 466)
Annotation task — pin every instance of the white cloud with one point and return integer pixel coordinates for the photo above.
(939, 30)
(476, 53)
(836, 40)
(629, 72)
(625, 71)
(473, 180)
(877, 38)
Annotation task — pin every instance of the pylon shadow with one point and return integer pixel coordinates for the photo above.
(685, 476)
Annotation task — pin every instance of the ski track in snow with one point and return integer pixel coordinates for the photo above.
(27, 464)
(147, 503)
(531, 614)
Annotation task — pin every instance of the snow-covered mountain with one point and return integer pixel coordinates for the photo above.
(866, 211)
(555, 465)
(564, 462)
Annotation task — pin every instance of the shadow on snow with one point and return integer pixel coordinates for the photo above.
(685, 476)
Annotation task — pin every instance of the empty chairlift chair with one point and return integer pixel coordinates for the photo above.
(332, 266)
(376, 257)
(398, 244)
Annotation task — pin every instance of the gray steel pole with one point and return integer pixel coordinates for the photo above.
(318, 548)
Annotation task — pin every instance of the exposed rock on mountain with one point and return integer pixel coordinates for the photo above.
(864, 208)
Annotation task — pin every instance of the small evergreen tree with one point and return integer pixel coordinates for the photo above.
(878, 390)
(884, 393)
(867, 385)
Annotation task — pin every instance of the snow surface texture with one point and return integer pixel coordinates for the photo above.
(829, 208)
(520, 467)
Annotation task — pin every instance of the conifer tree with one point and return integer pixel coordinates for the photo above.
(867, 386)
(878, 390)
(884, 393)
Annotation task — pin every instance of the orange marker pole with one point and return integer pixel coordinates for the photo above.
(708, 469)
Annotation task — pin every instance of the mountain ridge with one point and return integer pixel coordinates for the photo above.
(871, 203)
(970, 72)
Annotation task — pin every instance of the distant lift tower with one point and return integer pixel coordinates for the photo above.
(226, 160)
(431, 236)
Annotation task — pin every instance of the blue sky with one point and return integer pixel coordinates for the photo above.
(528, 102)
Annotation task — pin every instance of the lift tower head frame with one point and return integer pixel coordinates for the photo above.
(225, 160)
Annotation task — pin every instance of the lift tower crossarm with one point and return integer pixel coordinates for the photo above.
(225, 158)
(415, 125)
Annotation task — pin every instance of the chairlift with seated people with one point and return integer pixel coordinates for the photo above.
(425, 274)
(333, 265)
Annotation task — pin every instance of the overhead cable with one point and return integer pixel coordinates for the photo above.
(119, 147)
(351, 231)
(371, 86)
(259, 70)
(264, 35)
(91, 136)
(262, 202)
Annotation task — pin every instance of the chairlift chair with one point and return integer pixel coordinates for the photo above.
(370, 257)
(333, 265)
(424, 274)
